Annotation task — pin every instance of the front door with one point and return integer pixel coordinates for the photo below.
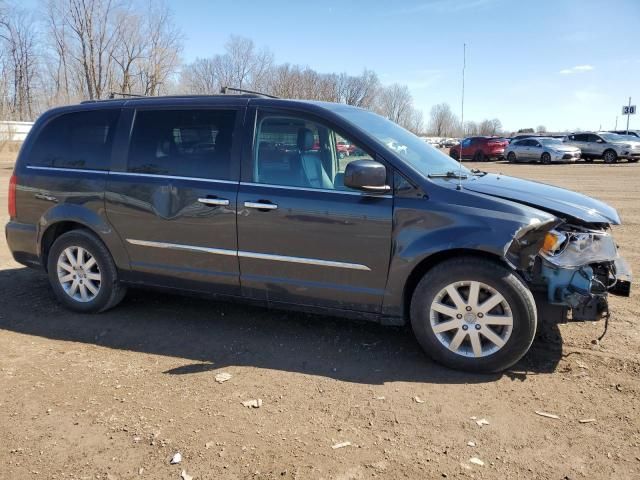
(173, 199)
(303, 237)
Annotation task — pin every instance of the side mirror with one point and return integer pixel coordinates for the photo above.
(367, 176)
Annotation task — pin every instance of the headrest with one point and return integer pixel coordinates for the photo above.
(305, 139)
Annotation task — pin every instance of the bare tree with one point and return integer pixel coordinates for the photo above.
(241, 66)
(90, 33)
(359, 91)
(18, 42)
(496, 126)
(471, 129)
(541, 129)
(395, 103)
(443, 121)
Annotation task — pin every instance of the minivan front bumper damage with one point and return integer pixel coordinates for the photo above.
(576, 267)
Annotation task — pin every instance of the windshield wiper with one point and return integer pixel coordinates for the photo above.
(478, 172)
(450, 174)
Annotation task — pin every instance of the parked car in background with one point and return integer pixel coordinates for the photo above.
(196, 194)
(545, 150)
(344, 149)
(480, 149)
(449, 142)
(611, 147)
(632, 133)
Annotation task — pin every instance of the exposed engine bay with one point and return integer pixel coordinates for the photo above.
(575, 266)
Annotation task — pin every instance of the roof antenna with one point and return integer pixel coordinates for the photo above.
(464, 64)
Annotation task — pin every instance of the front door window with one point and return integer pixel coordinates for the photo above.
(299, 153)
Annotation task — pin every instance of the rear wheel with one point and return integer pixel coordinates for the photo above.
(545, 158)
(82, 273)
(473, 314)
(511, 157)
(610, 156)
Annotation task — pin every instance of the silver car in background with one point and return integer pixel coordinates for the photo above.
(608, 146)
(541, 149)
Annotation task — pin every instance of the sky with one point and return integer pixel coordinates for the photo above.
(565, 64)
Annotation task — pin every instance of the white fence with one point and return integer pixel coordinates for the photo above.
(14, 131)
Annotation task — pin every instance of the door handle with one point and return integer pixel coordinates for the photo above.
(261, 205)
(223, 202)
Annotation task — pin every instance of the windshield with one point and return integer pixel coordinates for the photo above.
(628, 138)
(612, 137)
(412, 149)
(550, 141)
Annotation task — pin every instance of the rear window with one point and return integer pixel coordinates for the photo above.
(80, 140)
(184, 143)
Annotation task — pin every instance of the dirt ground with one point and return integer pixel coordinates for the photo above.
(117, 395)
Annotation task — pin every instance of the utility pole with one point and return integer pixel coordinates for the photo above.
(616, 127)
(464, 64)
(628, 115)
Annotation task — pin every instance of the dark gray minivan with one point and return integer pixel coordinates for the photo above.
(306, 205)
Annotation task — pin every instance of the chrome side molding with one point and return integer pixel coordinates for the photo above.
(256, 255)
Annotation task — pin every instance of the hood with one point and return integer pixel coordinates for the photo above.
(563, 147)
(633, 143)
(560, 202)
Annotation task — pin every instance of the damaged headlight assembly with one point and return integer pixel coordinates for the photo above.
(581, 266)
(571, 249)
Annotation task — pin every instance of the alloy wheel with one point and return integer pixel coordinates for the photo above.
(79, 274)
(471, 319)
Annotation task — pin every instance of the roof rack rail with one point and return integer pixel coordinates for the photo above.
(224, 91)
(112, 95)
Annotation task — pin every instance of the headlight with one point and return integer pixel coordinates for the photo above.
(553, 241)
(575, 249)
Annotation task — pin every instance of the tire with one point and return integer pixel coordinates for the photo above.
(588, 159)
(610, 156)
(453, 155)
(516, 338)
(60, 266)
(512, 157)
(479, 156)
(633, 160)
(545, 159)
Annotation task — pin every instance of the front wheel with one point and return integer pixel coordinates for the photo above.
(511, 157)
(473, 314)
(82, 273)
(610, 156)
(546, 158)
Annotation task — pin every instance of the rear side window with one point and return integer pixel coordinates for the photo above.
(184, 143)
(80, 140)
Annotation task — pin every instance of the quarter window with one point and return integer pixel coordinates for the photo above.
(299, 153)
(80, 140)
(185, 143)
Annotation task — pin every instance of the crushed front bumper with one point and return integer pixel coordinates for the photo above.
(585, 289)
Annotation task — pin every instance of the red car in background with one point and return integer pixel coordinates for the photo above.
(480, 149)
(344, 149)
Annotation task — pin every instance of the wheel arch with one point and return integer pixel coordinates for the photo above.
(428, 263)
(65, 218)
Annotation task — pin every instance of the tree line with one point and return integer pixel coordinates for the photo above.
(444, 123)
(67, 51)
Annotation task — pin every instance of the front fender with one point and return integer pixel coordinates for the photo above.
(423, 231)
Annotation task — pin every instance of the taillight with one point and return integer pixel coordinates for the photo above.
(12, 196)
